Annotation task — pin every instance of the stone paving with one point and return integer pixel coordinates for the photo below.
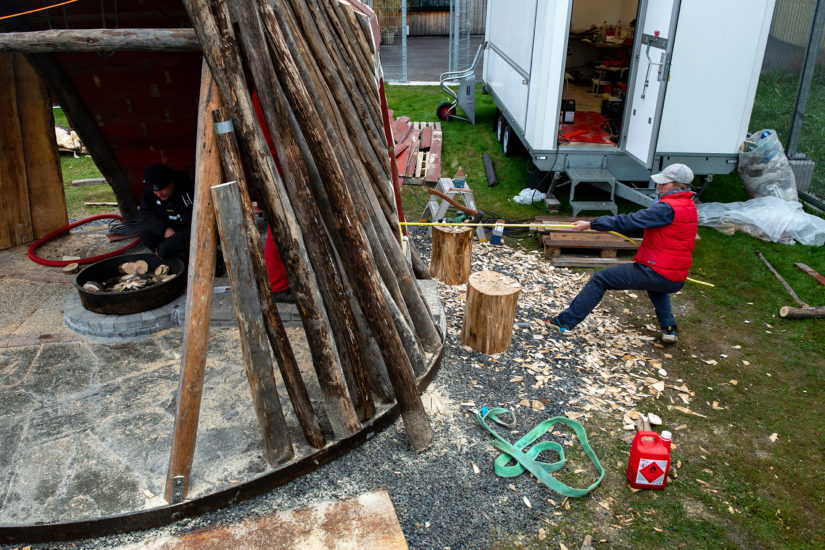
(86, 421)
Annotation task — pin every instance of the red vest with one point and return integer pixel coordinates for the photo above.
(668, 249)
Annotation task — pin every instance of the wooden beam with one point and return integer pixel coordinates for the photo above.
(99, 40)
(47, 201)
(84, 124)
(202, 253)
(15, 216)
(278, 339)
(226, 199)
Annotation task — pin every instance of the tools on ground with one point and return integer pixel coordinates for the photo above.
(804, 311)
(476, 214)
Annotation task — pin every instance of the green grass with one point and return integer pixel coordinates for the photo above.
(773, 109)
(756, 493)
(80, 169)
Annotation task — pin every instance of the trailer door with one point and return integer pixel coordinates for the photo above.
(655, 28)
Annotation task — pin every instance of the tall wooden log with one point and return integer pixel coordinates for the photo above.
(254, 346)
(296, 178)
(84, 124)
(47, 201)
(422, 319)
(215, 35)
(278, 339)
(452, 254)
(99, 40)
(202, 253)
(490, 311)
(363, 276)
(15, 216)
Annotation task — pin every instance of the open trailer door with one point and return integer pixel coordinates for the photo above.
(652, 51)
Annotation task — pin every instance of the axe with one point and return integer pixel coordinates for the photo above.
(476, 214)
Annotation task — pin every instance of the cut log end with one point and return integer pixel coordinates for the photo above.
(490, 312)
(452, 254)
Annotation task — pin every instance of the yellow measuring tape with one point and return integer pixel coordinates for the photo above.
(536, 225)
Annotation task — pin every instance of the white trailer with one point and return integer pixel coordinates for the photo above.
(691, 81)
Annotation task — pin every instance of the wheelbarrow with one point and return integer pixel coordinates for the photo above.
(464, 96)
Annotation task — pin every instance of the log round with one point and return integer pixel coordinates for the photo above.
(490, 311)
(452, 254)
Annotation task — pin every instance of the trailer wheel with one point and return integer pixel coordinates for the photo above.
(501, 124)
(445, 111)
(510, 142)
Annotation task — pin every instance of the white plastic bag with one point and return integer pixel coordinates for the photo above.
(767, 218)
(529, 196)
(764, 168)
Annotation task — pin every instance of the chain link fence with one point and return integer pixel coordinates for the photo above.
(392, 19)
(779, 85)
(461, 17)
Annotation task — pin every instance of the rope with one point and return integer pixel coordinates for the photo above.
(536, 225)
(526, 460)
(63, 263)
(38, 9)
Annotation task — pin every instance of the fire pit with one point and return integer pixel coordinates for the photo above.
(129, 301)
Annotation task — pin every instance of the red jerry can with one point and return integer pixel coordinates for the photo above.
(649, 460)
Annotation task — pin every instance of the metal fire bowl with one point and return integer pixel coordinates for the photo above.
(134, 301)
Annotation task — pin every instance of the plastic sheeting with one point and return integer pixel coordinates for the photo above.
(764, 168)
(767, 218)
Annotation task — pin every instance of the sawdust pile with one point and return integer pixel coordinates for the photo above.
(604, 368)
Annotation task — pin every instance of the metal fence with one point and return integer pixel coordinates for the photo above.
(461, 18)
(392, 19)
(791, 69)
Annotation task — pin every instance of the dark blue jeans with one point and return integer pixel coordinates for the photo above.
(631, 276)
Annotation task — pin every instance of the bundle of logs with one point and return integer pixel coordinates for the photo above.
(332, 211)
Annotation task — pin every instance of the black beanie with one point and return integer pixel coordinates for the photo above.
(158, 176)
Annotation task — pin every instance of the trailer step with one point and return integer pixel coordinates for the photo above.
(578, 206)
(597, 177)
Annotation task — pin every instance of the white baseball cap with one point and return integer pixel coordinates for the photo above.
(677, 173)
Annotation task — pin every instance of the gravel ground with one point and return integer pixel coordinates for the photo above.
(449, 496)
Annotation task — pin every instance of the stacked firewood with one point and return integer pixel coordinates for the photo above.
(331, 207)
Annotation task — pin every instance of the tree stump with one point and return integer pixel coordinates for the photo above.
(490, 311)
(452, 254)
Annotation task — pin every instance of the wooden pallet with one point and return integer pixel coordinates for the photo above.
(417, 151)
(570, 248)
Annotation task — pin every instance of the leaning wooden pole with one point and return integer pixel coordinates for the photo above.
(214, 32)
(254, 345)
(278, 339)
(202, 252)
(363, 277)
(296, 179)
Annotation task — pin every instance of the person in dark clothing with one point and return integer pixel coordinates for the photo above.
(166, 211)
(662, 262)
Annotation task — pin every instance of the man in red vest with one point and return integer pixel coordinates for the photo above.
(662, 262)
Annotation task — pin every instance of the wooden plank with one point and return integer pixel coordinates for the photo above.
(362, 521)
(433, 171)
(47, 201)
(570, 239)
(226, 201)
(401, 130)
(90, 181)
(15, 215)
(426, 138)
(419, 164)
(412, 157)
(585, 261)
(810, 271)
